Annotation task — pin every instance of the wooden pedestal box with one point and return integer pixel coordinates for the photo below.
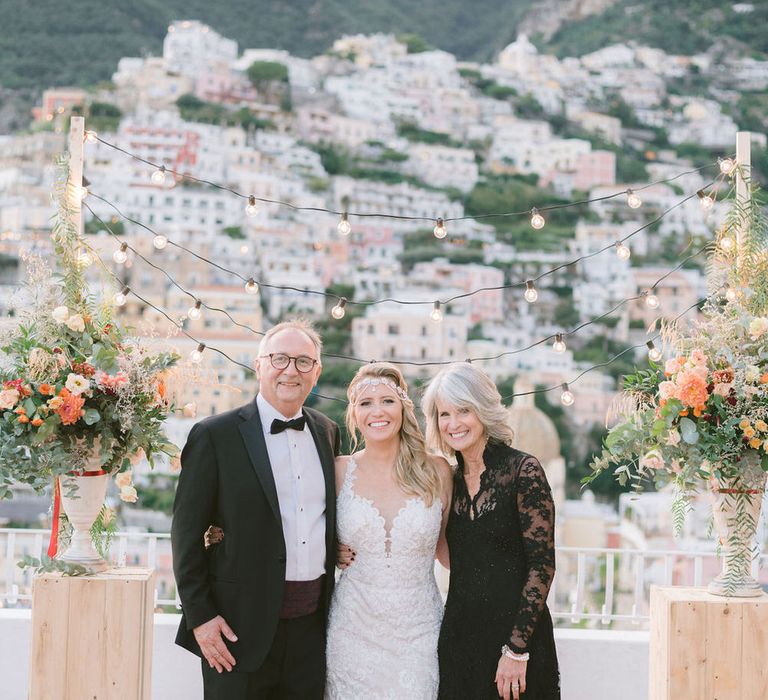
(707, 647)
(92, 636)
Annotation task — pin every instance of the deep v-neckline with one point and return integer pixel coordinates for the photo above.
(388, 532)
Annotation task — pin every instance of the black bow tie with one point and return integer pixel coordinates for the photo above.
(294, 424)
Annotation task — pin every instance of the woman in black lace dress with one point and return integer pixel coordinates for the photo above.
(496, 639)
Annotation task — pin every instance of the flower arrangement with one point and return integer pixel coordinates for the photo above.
(75, 389)
(703, 416)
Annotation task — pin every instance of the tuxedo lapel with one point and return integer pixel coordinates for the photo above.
(327, 461)
(253, 436)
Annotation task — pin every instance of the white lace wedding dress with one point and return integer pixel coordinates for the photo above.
(386, 610)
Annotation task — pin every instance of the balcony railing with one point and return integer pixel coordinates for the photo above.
(594, 587)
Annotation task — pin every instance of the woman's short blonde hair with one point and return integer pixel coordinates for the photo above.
(463, 385)
(414, 472)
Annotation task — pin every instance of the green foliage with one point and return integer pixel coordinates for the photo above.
(234, 232)
(414, 43)
(414, 133)
(46, 565)
(260, 72)
(600, 349)
(116, 226)
(193, 109)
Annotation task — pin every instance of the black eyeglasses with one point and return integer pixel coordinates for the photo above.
(279, 360)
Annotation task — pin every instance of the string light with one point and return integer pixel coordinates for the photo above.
(158, 177)
(531, 294)
(537, 220)
(121, 254)
(251, 286)
(559, 344)
(196, 356)
(160, 241)
(654, 354)
(122, 296)
(706, 200)
(633, 200)
(622, 251)
(727, 165)
(196, 311)
(566, 398)
(440, 231)
(344, 227)
(338, 311)
(726, 243)
(437, 314)
(651, 300)
(251, 209)
(91, 136)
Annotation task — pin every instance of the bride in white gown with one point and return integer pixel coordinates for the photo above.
(391, 510)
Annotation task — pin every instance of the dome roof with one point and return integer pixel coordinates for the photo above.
(535, 432)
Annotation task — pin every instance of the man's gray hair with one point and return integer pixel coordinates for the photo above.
(302, 325)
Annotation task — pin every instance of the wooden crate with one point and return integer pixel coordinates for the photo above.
(706, 647)
(92, 636)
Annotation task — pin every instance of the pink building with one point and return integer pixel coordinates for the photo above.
(595, 168)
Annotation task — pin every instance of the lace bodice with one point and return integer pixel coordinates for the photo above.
(386, 609)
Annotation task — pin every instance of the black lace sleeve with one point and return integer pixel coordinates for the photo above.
(537, 524)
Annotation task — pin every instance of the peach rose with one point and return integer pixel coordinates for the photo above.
(124, 479)
(129, 494)
(692, 388)
(8, 398)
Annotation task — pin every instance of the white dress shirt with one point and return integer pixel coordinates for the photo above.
(300, 486)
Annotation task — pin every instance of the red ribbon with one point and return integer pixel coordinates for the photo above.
(53, 544)
(732, 491)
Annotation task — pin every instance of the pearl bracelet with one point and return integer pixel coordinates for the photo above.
(506, 651)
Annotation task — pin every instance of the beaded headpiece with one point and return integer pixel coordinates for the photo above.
(375, 382)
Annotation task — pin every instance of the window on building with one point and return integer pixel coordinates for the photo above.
(393, 329)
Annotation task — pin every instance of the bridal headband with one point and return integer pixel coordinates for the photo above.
(374, 383)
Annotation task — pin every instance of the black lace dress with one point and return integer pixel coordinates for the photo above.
(502, 554)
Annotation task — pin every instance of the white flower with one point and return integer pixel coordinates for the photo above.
(189, 410)
(752, 374)
(129, 494)
(76, 384)
(674, 437)
(75, 323)
(8, 398)
(60, 314)
(758, 327)
(124, 479)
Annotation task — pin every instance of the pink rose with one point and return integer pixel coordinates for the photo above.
(652, 460)
(673, 365)
(8, 398)
(723, 389)
(698, 358)
(667, 390)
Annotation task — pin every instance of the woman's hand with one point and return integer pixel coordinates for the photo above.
(344, 556)
(510, 678)
(213, 535)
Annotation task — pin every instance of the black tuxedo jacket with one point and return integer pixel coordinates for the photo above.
(226, 479)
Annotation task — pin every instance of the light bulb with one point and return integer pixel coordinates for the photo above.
(633, 200)
(436, 314)
(440, 231)
(654, 354)
(726, 243)
(196, 311)
(727, 165)
(537, 220)
(622, 251)
(731, 294)
(158, 177)
(91, 137)
(196, 355)
(121, 254)
(651, 300)
(559, 344)
(251, 209)
(531, 294)
(160, 241)
(706, 200)
(83, 193)
(338, 311)
(251, 287)
(344, 227)
(122, 296)
(244, 250)
(567, 398)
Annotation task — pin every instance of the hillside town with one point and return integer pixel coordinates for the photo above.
(258, 146)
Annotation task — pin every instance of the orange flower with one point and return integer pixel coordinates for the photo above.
(46, 389)
(698, 411)
(755, 443)
(692, 389)
(71, 408)
(37, 422)
(764, 378)
(20, 410)
(23, 419)
(684, 412)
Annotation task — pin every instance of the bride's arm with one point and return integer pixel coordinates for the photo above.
(344, 554)
(446, 494)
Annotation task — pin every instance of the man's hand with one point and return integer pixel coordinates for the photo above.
(209, 637)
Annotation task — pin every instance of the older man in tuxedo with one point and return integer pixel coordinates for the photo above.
(254, 605)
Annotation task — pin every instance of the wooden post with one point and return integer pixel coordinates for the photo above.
(707, 646)
(76, 140)
(743, 176)
(92, 636)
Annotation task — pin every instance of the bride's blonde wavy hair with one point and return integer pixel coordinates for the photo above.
(414, 473)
